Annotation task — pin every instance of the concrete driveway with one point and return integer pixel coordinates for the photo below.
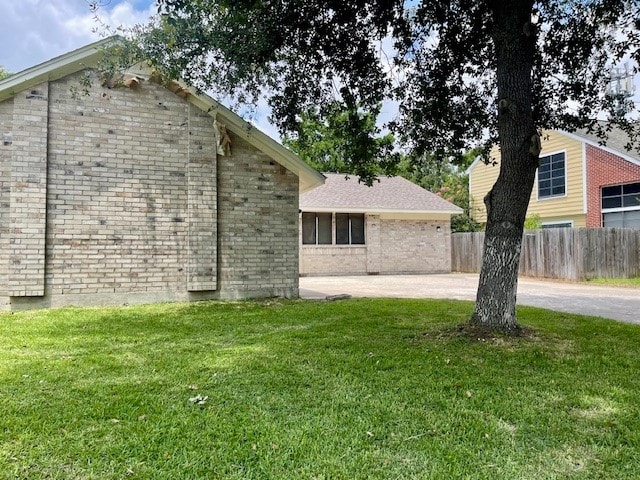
(617, 303)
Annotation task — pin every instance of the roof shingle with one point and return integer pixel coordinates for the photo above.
(387, 194)
(617, 140)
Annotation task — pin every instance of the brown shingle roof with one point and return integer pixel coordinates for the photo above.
(387, 194)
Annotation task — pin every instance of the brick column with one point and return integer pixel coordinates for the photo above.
(372, 240)
(28, 195)
(202, 204)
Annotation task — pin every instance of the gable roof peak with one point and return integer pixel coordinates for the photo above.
(616, 141)
(89, 57)
(387, 194)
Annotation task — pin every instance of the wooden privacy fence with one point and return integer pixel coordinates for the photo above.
(567, 253)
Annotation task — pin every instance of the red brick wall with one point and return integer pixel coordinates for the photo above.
(604, 168)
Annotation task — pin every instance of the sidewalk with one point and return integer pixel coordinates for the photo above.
(616, 303)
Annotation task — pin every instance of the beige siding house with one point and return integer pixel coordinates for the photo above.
(138, 193)
(393, 227)
(579, 183)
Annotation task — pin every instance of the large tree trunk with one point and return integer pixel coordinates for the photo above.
(514, 39)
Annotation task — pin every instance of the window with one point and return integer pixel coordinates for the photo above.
(316, 228)
(624, 219)
(552, 176)
(621, 206)
(620, 196)
(567, 224)
(350, 228)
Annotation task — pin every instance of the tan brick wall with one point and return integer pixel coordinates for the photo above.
(6, 153)
(415, 246)
(333, 260)
(202, 204)
(374, 243)
(117, 219)
(139, 209)
(393, 246)
(258, 224)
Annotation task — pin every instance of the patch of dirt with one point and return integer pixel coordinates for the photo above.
(477, 334)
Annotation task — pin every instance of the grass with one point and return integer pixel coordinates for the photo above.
(617, 282)
(355, 389)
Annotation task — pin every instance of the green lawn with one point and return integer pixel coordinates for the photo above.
(355, 389)
(616, 282)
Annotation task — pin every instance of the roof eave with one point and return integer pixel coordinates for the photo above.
(54, 69)
(477, 160)
(614, 151)
(308, 177)
(325, 209)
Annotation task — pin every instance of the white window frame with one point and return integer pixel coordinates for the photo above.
(617, 209)
(603, 211)
(566, 177)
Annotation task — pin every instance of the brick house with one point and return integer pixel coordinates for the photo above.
(580, 183)
(138, 193)
(392, 227)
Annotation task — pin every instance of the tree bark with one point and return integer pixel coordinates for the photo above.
(514, 39)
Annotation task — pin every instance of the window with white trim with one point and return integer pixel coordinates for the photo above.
(621, 206)
(552, 176)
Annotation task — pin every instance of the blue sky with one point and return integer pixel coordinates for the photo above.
(33, 31)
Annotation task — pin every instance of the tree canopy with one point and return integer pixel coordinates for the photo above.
(3, 73)
(326, 141)
(317, 143)
(437, 59)
(462, 72)
(446, 179)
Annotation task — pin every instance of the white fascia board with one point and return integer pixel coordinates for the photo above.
(54, 69)
(472, 166)
(377, 210)
(308, 177)
(584, 178)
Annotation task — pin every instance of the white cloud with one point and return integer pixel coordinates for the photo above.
(34, 31)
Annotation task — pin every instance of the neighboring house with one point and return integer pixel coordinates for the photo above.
(579, 183)
(392, 227)
(138, 193)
